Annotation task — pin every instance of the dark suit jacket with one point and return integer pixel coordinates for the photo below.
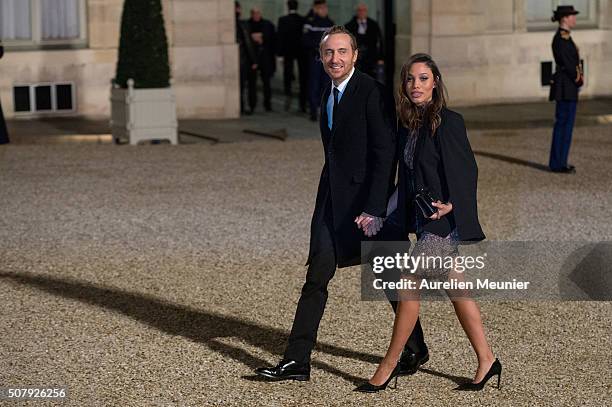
(370, 44)
(289, 38)
(445, 165)
(567, 61)
(359, 155)
(266, 52)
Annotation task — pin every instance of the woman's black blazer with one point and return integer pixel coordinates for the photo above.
(452, 177)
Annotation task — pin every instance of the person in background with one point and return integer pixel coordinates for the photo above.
(316, 23)
(262, 34)
(246, 55)
(568, 78)
(289, 47)
(369, 41)
(4, 138)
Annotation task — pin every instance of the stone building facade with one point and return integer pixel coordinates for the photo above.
(202, 49)
(490, 51)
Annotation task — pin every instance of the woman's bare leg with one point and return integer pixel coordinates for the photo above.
(405, 318)
(468, 314)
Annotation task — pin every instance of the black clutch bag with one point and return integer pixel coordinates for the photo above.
(424, 200)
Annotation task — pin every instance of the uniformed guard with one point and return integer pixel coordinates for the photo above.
(316, 23)
(568, 78)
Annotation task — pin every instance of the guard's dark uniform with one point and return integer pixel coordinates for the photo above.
(564, 90)
(318, 80)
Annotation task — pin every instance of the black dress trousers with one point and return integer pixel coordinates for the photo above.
(312, 301)
(313, 298)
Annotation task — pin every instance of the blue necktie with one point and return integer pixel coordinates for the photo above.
(335, 108)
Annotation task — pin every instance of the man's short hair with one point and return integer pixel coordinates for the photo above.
(338, 29)
(292, 4)
(319, 2)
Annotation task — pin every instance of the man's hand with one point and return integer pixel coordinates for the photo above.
(257, 38)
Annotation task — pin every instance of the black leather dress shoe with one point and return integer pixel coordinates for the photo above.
(410, 362)
(570, 169)
(286, 370)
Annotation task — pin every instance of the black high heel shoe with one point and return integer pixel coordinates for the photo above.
(368, 387)
(495, 370)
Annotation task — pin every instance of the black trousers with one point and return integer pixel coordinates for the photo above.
(288, 70)
(4, 138)
(244, 73)
(267, 90)
(313, 298)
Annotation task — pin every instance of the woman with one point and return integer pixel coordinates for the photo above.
(435, 155)
(564, 87)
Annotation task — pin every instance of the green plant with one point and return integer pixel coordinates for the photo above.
(143, 47)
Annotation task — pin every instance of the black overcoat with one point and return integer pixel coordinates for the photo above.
(451, 177)
(266, 52)
(370, 44)
(358, 173)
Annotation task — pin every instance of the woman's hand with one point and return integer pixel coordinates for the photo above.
(443, 209)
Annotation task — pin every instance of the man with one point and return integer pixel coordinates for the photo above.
(358, 132)
(289, 47)
(369, 41)
(247, 57)
(4, 138)
(263, 37)
(316, 23)
(567, 80)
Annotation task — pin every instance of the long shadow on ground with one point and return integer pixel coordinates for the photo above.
(197, 325)
(513, 160)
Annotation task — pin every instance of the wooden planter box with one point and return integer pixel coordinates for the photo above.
(143, 114)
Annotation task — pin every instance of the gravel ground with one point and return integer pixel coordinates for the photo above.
(163, 275)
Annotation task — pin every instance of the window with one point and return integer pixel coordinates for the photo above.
(39, 23)
(538, 13)
(44, 98)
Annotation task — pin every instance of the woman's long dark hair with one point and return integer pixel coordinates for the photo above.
(410, 115)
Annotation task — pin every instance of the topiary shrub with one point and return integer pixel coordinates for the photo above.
(143, 47)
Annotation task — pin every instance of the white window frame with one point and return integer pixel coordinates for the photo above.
(587, 19)
(37, 42)
(54, 111)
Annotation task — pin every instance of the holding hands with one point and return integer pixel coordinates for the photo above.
(369, 224)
